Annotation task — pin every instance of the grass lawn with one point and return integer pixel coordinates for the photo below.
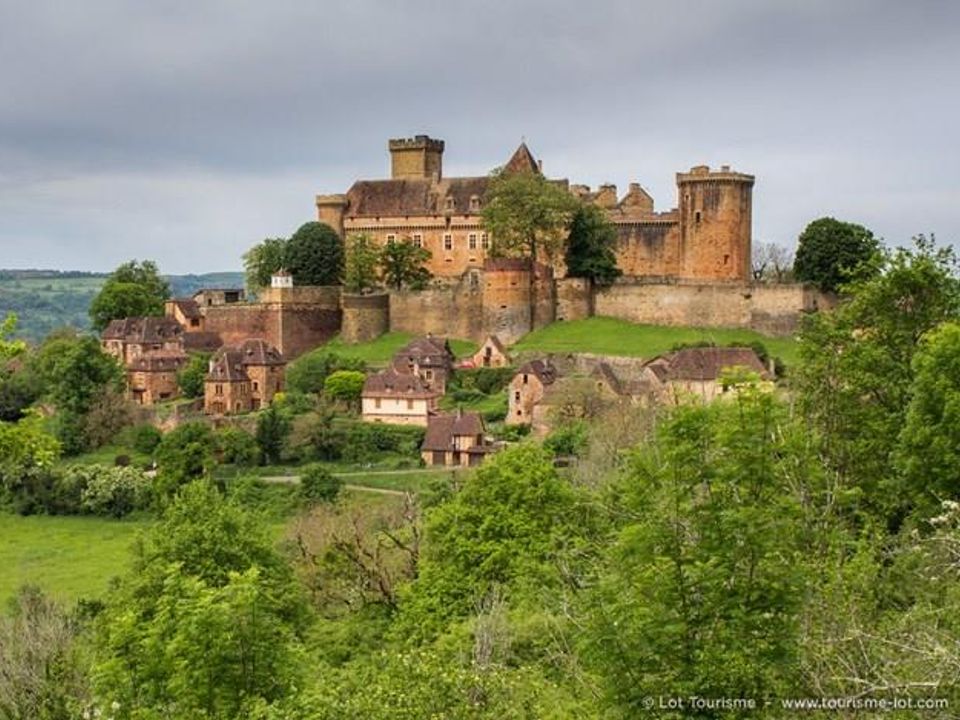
(381, 350)
(610, 336)
(68, 557)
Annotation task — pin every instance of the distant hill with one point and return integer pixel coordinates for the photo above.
(48, 299)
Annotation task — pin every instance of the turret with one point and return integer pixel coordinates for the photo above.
(416, 158)
(715, 223)
(331, 209)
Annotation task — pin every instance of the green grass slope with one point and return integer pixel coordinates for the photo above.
(610, 336)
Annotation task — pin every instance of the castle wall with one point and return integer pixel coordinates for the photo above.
(772, 309)
(508, 312)
(365, 317)
(574, 299)
(649, 248)
(453, 310)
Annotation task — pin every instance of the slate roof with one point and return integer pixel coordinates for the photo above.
(543, 369)
(158, 362)
(230, 364)
(522, 160)
(391, 383)
(442, 429)
(415, 196)
(201, 341)
(706, 363)
(259, 352)
(143, 329)
(427, 351)
(495, 341)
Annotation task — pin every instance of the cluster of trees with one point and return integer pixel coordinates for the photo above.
(133, 289)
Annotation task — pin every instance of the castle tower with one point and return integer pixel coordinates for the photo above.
(416, 158)
(331, 209)
(715, 223)
(508, 311)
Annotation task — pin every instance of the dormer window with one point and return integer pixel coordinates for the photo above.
(448, 203)
(474, 202)
(391, 238)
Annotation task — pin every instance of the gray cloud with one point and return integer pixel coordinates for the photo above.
(186, 131)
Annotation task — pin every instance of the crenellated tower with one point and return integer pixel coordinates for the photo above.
(715, 223)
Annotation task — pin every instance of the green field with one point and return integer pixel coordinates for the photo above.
(68, 557)
(381, 350)
(609, 336)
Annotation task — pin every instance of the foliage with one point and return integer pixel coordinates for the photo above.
(109, 414)
(238, 447)
(402, 265)
(144, 438)
(566, 440)
(273, 426)
(314, 255)
(132, 290)
(309, 372)
(9, 348)
(771, 262)
(110, 491)
(829, 251)
(184, 454)
(319, 485)
(590, 245)
(193, 374)
(262, 261)
(27, 456)
(527, 215)
(19, 389)
(360, 271)
(209, 624)
(485, 380)
(42, 675)
(856, 378)
(314, 436)
(702, 591)
(345, 386)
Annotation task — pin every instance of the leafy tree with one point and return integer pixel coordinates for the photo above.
(829, 251)
(273, 426)
(360, 274)
(143, 438)
(590, 247)
(402, 265)
(133, 289)
(19, 389)
(238, 447)
(309, 372)
(192, 376)
(9, 348)
(929, 452)
(702, 591)
(262, 261)
(345, 386)
(210, 622)
(111, 491)
(319, 485)
(856, 373)
(526, 214)
(315, 435)
(27, 456)
(184, 454)
(314, 255)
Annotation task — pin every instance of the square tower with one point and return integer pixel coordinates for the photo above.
(416, 158)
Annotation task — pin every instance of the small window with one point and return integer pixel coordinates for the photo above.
(484, 241)
(525, 378)
(409, 404)
(256, 386)
(696, 217)
(417, 240)
(448, 241)
(516, 396)
(474, 202)
(376, 403)
(472, 241)
(449, 203)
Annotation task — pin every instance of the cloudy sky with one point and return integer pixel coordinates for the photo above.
(185, 131)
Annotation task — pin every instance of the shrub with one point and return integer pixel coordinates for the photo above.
(308, 373)
(143, 438)
(317, 484)
(116, 491)
(238, 447)
(567, 440)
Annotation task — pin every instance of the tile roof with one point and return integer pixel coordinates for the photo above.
(415, 196)
(705, 363)
(391, 383)
(188, 307)
(543, 369)
(158, 362)
(143, 329)
(442, 429)
(427, 351)
(201, 341)
(230, 363)
(259, 352)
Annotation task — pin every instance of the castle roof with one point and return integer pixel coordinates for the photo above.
(521, 161)
(391, 383)
(415, 196)
(705, 363)
(443, 429)
(143, 329)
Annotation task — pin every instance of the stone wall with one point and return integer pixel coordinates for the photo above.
(574, 299)
(772, 309)
(451, 310)
(365, 317)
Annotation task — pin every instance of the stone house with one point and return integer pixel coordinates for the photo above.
(699, 372)
(213, 297)
(455, 440)
(492, 354)
(152, 378)
(397, 397)
(186, 312)
(243, 378)
(129, 338)
(429, 357)
(527, 388)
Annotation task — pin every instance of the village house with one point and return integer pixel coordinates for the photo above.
(129, 338)
(492, 354)
(397, 397)
(455, 440)
(526, 390)
(211, 297)
(152, 378)
(185, 311)
(243, 378)
(699, 372)
(429, 357)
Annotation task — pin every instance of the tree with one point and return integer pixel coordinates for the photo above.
(273, 426)
(308, 372)
(314, 255)
(319, 485)
(192, 376)
(27, 456)
(185, 454)
(133, 289)
(526, 214)
(771, 261)
(262, 261)
(829, 251)
(9, 348)
(402, 265)
(345, 386)
(363, 256)
(590, 247)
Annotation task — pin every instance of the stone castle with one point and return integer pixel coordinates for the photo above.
(687, 266)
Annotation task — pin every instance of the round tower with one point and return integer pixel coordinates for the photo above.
(507, 307)
(715, 224)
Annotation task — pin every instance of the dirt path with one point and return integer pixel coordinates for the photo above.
(293, 479)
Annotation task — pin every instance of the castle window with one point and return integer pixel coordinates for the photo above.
(472, 241)
(484, 241)
(449, 203)
(525, 378)
(256, 386)
(448, 241)
(516, 396)
(696, 216)
(417, 240)
(391, 238)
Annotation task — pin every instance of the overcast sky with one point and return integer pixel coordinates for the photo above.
(188, 131)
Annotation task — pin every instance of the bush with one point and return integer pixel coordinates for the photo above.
(238, 447)
(308, 373)
(121, 461)
(487, 381)
(345, 386)
(191, 378)
(143, 438)
(567, 440)
(116, 491)
(317, 484)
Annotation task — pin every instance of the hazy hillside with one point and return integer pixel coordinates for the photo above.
(48, 299)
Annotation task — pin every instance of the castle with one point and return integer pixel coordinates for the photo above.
(687, 266)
